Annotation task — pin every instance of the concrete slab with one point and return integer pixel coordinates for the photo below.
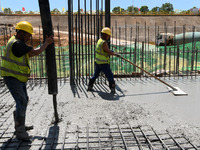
(139, 102)
(156, 94)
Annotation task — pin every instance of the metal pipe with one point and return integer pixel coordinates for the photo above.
(174, 89)
(50, 52)
(55, 109)
(70, 24)
(86, 52)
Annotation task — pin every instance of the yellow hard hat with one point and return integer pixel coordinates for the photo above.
(106, 30)
(25, 26)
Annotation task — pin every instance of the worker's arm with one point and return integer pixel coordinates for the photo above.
(37, 51)
(107, 50)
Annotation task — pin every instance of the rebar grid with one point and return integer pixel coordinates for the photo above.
(122, 136)
(119, 136)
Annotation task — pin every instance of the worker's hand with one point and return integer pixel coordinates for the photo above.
(49, 39)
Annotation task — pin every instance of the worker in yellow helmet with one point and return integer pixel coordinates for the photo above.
(102, 60)
(15, 71)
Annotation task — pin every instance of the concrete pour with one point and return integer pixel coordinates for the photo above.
(138, 101)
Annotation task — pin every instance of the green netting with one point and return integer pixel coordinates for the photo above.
(150, 59)
(38, 66)
(188, 55)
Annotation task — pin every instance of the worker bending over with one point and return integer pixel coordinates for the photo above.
(102, 60)
(15, 71)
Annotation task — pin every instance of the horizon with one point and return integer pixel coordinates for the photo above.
(179, 5)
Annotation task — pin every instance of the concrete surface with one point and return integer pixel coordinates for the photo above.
(140, 102)
(155, 94)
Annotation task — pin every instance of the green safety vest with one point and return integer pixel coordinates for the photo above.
(101, 56)
(12, 66)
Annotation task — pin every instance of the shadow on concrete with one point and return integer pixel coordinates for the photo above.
(108, 96)
(14, 143)
(75, 91)
(52, 138)
(102, 89)
(79, 88)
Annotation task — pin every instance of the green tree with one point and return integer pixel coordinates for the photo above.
(155, 9)
(185, 12)
(18, 12)
(31, 12)
(130, 9)
(123, 11)
(55, 11)
(7, 11)
(144, 9)
(166, 8)
(136, 10)
(118, 10)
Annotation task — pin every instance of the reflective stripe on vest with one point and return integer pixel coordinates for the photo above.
(17, 67)
(14, 72)
(101, 56)
(13, 61)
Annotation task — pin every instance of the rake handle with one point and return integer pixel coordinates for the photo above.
(174, 89)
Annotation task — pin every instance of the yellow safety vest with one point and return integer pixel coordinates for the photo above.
(12, 66)
(101, 57)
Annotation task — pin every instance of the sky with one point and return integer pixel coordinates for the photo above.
(32, 5)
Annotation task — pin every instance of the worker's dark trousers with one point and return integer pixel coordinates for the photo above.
(105, 68)
(19, 93)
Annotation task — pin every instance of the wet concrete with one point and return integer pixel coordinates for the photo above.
(156, 96)
(140, 102)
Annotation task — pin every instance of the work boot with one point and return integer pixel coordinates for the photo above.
(27, 128)
(90, 88)
(90, 85)
(21, 133)
(113, 90)
(112, 87)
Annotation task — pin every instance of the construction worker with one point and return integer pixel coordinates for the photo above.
(102, 60)
(15, 71)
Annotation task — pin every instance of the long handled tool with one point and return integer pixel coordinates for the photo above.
(175, 90)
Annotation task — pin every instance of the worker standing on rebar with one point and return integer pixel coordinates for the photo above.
(15, 71)
(102, 60)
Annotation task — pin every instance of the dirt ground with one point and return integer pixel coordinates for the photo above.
(61, 39)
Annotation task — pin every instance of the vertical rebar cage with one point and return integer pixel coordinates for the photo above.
(84, 31)
(136, 42)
